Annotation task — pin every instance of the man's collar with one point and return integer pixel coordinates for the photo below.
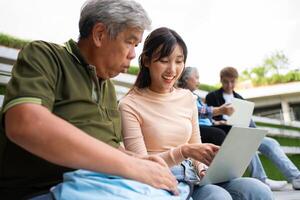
(74, 50)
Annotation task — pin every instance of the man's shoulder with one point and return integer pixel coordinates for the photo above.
(213, 93)
(237, 95)
(40, 46)
(42, 43)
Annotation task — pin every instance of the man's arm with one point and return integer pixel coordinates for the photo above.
(225, 109)
(37, 130)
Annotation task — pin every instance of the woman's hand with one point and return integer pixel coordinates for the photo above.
(203, 152)
(201, 169)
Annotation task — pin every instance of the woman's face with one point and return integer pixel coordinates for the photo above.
(165, 71)
(193, 81)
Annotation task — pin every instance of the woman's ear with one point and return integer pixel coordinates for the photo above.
(146, 61)
(98, 33)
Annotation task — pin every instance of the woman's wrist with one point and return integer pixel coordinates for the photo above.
(184, 150)
(200, 167)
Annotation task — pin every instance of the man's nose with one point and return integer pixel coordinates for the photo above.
(131, 53)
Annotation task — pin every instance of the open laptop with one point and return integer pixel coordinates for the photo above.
(234, 155)
(242, 114)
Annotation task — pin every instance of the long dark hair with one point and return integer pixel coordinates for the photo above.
(159, 43)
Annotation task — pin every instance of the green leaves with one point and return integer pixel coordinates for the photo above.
(271, 71)
(13, 42)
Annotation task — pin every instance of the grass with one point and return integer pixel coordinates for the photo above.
(2, 89)
(208, 88)
(271, 170)
(134, 70)
(13, 42)
(277, 126)
(287, 141)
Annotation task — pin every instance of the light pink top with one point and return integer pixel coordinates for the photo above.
(154, 123)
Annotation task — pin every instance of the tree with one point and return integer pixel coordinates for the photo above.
(276, 62)
(269, 71)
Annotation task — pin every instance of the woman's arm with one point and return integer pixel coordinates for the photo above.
(195, 149)
(134, 140)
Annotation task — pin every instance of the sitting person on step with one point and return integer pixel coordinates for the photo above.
(269, 146)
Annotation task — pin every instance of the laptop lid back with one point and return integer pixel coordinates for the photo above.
(242, 114)
(234, 155)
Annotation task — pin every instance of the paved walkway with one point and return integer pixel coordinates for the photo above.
(287, 194)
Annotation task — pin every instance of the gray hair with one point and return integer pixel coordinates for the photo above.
(116, 15)
(182, 81)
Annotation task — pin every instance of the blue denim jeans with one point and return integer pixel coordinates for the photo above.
(47, 196)
(272, 150)
(238, 189)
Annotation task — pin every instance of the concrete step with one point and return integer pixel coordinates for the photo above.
(288, 193)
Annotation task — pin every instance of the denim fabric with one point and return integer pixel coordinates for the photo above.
(256, 169)
(272, 150)
(205, 113)
(83, 185)
(47, 196)
(238, 189)
(185, 172)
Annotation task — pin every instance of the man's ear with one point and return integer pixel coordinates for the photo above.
(98, 33)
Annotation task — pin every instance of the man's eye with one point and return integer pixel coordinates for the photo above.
(130, 43)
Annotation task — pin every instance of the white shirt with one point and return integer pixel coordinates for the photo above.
(228, 99)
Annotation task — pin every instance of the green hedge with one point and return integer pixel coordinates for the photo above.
(277, 126)
(2, 89)
(284, 141)
(208, 88)
(13, 42)
(133, 70)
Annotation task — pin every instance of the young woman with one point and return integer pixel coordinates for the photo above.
(160, 119)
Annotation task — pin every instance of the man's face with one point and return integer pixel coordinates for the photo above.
(114, 55)
(228, 84)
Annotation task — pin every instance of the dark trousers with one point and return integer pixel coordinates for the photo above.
(214, 134)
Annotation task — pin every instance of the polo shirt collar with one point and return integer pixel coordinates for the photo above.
(74, 50)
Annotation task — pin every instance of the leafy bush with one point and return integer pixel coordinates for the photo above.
(133, 70)
(13, 42)
(2, 89)
(208, 88)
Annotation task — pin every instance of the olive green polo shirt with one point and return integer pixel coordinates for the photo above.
(58, 78)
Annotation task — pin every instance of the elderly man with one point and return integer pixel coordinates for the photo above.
(60, 108)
